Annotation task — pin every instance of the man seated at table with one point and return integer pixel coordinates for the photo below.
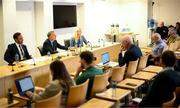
(157, 50)
(172, 37)
(132, 51)
(16, 50)
(50, 45)
(87, 69)
(164, 84)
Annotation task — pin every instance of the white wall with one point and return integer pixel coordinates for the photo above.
(167, 11)
(94, 17)
(25, 24)
(99, 15)
(8, 26)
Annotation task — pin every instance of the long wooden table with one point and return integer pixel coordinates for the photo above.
(41, 73)
(96, 103)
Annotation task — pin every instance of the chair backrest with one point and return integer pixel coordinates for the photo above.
(53, 102)
(177, 96)
(173, 46)
(170, 103)
(178, 42)
(67, 42)
(40, 48)
(142, 62)
(118, 73)
(132, 67)
(77, 94)
(100, 83)
(166, 48)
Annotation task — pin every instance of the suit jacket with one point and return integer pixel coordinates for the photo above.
(80, 41)
(162, 88)
(47, 47)
(132, 54)
(12, 50)
(163, 31)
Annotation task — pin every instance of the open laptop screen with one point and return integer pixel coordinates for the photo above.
(105, 58)
(24, 84)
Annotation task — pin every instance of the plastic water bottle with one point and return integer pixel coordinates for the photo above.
(16, 58)
(10, 96)
(114, 88)
(48, 53)
(99, 42)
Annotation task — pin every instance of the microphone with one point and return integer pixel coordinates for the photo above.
(12, 66)
(34, 63)
(103, 42)
(90, 45)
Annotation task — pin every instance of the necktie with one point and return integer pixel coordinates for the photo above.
(52, 46)
(21, 50)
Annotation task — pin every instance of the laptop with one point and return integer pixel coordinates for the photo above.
(105, 60)
(24, 84)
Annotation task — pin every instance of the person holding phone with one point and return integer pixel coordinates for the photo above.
(87, 70)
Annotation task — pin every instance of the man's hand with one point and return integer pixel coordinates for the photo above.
(29, 93)
(79, 69)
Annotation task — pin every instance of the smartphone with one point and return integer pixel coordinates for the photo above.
(131, 84)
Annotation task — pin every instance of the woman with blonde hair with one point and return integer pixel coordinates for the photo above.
(78, 39)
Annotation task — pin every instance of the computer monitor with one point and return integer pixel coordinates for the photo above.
(105, 58)
(24, 84)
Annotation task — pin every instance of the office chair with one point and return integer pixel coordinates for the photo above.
(40, 48)
(67, 42)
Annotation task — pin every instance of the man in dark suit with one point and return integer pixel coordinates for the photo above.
(162, 30)
(164, 84)
(50, 45)
(17, 49)
(132, 51)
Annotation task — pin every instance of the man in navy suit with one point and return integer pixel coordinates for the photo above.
(16, 49)
(50, 45)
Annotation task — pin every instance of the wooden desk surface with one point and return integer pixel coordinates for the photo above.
(4, 103)
(41, 71)
(144, 75)
(97, 103)
(119, 94)
(124, 83)
(177, 53)
(21, 97)
(153, 69)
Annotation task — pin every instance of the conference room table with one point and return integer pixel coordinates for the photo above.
(153, 69)
(39, 67)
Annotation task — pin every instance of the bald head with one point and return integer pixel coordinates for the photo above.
(156, 37)
(127, 41)
(161, 24)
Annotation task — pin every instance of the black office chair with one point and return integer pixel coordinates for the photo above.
(67, 42)
(40, 48)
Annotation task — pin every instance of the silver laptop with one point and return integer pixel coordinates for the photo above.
(105, 60)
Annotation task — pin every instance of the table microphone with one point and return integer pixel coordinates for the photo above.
(12, 66)
(34, 63)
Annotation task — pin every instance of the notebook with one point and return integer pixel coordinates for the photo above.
(105, 61)
(24, 84)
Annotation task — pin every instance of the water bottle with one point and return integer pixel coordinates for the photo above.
(49, 53)
(80, 48)
(114, 88)
(99, 42)
(17, 58)
(10, 96)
